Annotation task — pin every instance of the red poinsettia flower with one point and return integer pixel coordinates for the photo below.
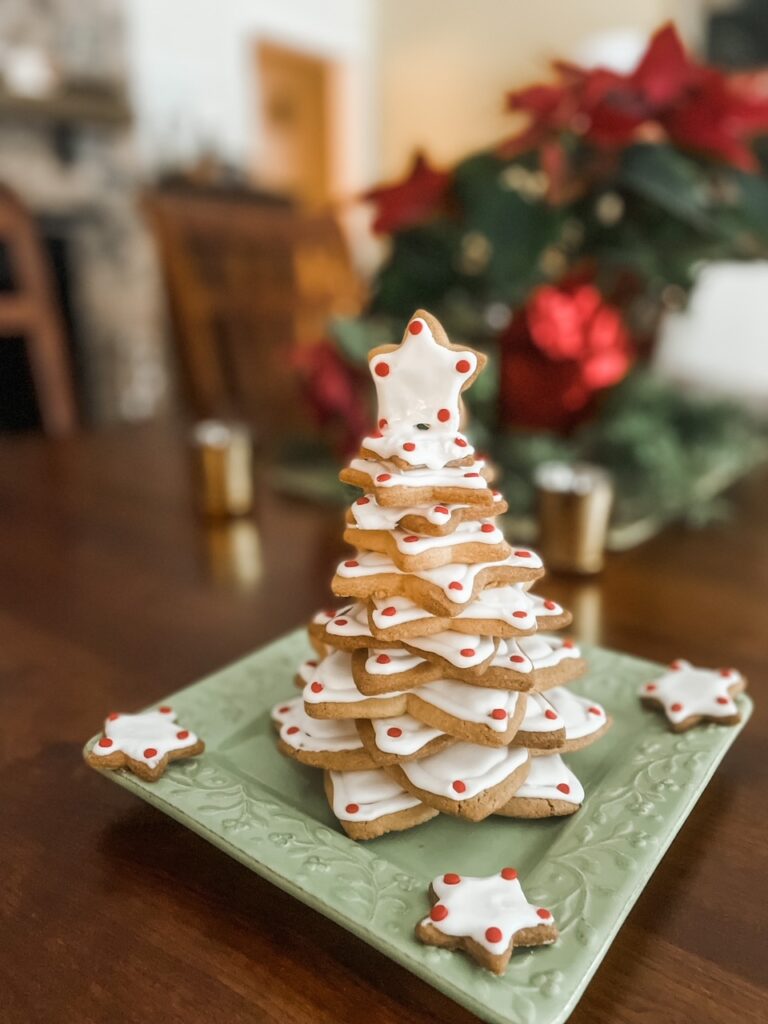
(668, 95)
(335, 392)
(565, 345)
(419, 195)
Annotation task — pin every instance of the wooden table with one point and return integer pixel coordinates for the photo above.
(113, 594)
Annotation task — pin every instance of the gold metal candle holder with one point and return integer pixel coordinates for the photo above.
(223, 457)
(574, 505)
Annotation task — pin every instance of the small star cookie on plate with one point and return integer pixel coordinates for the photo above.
(486, 917)
(143, 743)
(689, 695)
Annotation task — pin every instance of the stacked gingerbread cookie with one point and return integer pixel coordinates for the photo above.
(433, 689)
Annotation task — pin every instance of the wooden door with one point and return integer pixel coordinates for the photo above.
(294, 157)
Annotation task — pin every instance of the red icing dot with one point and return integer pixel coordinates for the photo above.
(292, 730)
(183, 735)
(441, 510)
(550, 714)
(494, 934)
(519, 615)
(496, 494)
(311, 664)
(383, 424)
(316, 687)
(543, 914)
(568, 644)
(487, 528)
(471, 474)
(352, 808)
(381, 369)
(415, 326)
(460, 442)
(677, 706)
(105, 741)
(522, 554)
(439, 912)
(150, 752)
(676, 665)
(443, 415)
(351, 563)
(390, 610)
(726, 672)
(383, 659)
(395, 732)
(550, 606)
(383, 477)
(516, 658)
(285, 710)
(563, 787)
(330, 612)
(722, 700)
(411, 539)
(498, 714)
(509, 874)
(376, 435)
(113, 716)
(594, 710)
(362, 501)
(451, 878)
(165, 709)
(459, 786)
(650, 687)
(340, 622)
(409, 446)
(467, 652)
(463, 366)
(455, 585)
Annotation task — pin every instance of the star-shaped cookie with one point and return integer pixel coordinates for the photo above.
(486, 917)
(689, 695)
(143, 743)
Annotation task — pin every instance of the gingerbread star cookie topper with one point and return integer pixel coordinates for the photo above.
(486, 917)
(143, 743)
(689, 695)
(418, 385)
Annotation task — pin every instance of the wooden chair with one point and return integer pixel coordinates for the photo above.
(247, 281)
(31, 311)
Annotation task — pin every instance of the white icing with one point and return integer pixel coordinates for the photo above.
(477, 767)
(403, 735)
(332, 682)
(385, 476)
(370, 515)
(475, 704)
(301, 732)
(350, 621)
(420, 381)
(456, 581)
(550, 778)
(580, 715)
(134, 735)
(391, 662)
(478, 531)
(533, 652)
(431, 448)
(464, 650)
(540, 716)
(477, 905)
(306, 670)
(509, 604)
(373, 793)
(685, 691)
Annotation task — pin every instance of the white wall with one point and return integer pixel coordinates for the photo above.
(193, 81)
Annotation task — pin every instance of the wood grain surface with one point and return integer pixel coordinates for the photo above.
(112, 593)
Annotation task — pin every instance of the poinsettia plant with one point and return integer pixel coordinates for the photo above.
(558, 250)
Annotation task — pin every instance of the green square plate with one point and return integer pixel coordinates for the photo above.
(270, 813)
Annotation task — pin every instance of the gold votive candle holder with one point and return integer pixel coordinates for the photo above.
(223, 468)
(573, 502)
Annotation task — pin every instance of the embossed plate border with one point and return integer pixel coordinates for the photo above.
(595, 865)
